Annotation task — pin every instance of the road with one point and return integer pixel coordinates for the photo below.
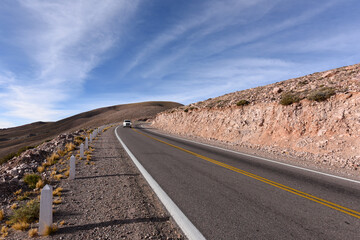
(231, 196)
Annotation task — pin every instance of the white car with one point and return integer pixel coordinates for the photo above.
(127, 123)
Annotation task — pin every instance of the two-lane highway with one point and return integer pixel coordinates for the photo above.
(231, 196)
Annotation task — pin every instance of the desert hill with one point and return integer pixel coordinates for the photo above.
(315, 118)
(12, 139)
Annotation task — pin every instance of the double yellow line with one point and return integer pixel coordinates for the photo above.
(267, 181)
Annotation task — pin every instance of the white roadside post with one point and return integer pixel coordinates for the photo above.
(86, 143)
(90, 137)
(46, 214)
(81, 151)
(72, 168)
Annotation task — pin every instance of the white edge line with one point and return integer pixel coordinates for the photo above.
(183, 222)
(261, 158)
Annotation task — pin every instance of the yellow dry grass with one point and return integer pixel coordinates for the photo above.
(14, 206)
(57, 201)
(18, 192)
(67, 173)
(41, 169)
(58, 176)
(50, 230)
(33, 232)
(40, 184)
(2, 215)
(57, 192)
(4, 231)
(22, 226)
(70, 147)
(62, 223)
(61, 152)
(88, 157)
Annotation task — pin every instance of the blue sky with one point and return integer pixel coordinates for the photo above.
(59, 58)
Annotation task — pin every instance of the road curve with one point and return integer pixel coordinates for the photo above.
(230, 196)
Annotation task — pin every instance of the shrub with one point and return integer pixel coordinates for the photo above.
(289, 98)
(186, 110)
(242, 103)
(31, 180)
(321, 94)
(28, 213)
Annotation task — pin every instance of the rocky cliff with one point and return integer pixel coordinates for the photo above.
(314, 117)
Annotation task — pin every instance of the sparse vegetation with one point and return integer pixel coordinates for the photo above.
(28, 213)
(242, 103)
(289, 98)
(57, 201)
(70, 147)
(23, 197)
(51, 160)
(40, 184)
(186, 110)
(31, 180)
(4, 232)
(50, 230)
(40, 169)
(22, 226)
(57, 192)
(33, 232)
(79, 140)
(14, 206)
(321, 94)
(11, 155)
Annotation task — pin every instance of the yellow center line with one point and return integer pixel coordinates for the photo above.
(264, 180)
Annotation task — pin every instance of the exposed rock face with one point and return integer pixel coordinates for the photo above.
(327, 131)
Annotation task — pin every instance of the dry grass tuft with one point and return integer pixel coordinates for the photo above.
(67, 173)
(18, 192)
(40, 184)
(70, 147)
(4, 231)
(88, 157)
(22, 226)
(33, 232)
(62, 223)
(14, 206)
(2, 215)
(24, 196)
(50, 230)
(58, 177)
(51, 160)
(92, 163)
(57, 201)
(41, 169)
(57, 192)
(61, 152)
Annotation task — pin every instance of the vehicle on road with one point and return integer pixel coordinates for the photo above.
(127, 123)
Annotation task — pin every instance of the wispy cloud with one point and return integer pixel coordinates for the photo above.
(66, 40)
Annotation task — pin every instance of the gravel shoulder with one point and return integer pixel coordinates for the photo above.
(109, 199)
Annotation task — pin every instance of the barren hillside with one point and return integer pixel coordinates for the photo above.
(12, 139)
(315, 118)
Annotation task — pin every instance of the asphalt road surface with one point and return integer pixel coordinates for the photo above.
(230, 196)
